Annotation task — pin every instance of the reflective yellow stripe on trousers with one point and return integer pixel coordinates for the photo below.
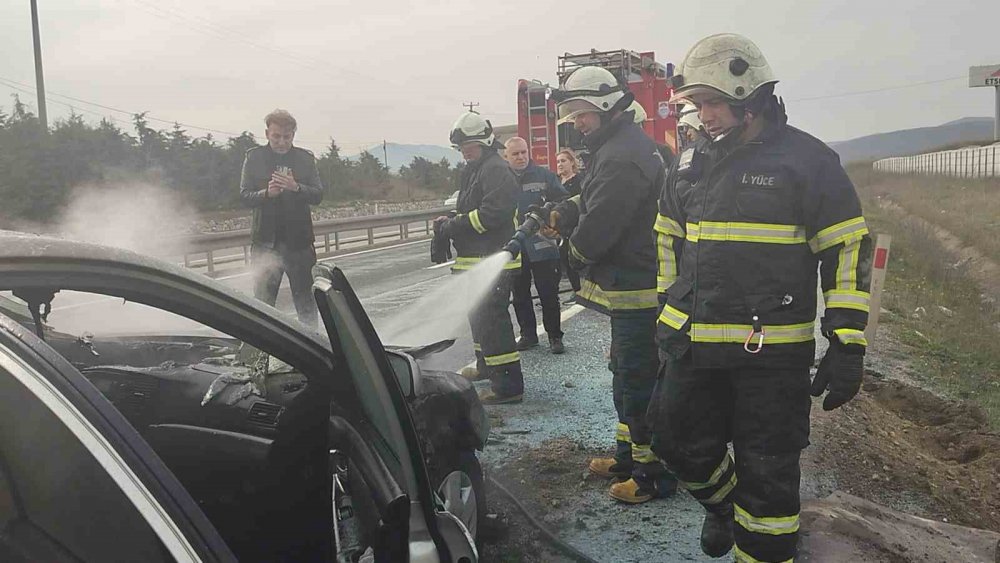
(618, 300)
(502, 359)
(740, 556)
(771, 525)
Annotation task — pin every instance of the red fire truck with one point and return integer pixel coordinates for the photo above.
(647, 79)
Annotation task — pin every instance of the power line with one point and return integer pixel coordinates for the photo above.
(886, 89)
(223, 32)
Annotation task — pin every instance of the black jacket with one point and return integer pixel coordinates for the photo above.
(285, 218)
(538, 186)
(617, 208)
(742, 232)
(487, 204)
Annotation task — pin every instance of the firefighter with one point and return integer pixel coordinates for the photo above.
(754, 214)
(487, 205)
(608, 226)
(689, 126)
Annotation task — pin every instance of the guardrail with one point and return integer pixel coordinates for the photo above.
(333, 236)
(972, 162)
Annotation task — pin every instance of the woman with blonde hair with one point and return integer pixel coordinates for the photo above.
(568, 169)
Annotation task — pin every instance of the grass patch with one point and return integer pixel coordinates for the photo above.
(953, 329)
(967, 207)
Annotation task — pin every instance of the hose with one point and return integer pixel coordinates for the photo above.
(553, 539)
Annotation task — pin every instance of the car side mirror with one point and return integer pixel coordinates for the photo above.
(405, 369)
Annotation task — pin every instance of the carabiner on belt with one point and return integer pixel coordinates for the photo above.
(756, 329)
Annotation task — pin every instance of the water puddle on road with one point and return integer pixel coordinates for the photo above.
(443, 312)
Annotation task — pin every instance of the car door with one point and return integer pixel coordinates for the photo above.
(77, 482)
(435, 534)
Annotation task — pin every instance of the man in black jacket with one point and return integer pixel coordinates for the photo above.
(609, 228)
(746, 220)
(280, 181)
(487, 203)
(540, 259)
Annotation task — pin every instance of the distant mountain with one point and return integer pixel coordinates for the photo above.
(914, 141)
(401, 155)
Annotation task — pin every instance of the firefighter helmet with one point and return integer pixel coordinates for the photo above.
(726, 65)
(640, 113)
(590, 89)
(689, 117)
(471, 127)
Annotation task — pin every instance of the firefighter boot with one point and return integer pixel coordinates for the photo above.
(491, 398)
(645, 485)
(609, 467)
(473, 374)
(717, 531)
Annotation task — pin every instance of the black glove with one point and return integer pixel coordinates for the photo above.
(440, 248)
(565, 217)
(444, 228)
(841, 371)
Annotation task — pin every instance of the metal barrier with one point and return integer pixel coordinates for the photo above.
(973, 162)
(333, 236)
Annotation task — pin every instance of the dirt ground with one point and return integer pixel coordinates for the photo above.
(896, 445)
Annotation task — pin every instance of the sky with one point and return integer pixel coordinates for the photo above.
(360, 72)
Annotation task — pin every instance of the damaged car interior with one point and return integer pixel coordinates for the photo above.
(252, 415)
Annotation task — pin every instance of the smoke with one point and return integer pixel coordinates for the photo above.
(136, 216)
(443, 313)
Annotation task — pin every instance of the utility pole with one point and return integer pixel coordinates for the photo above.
(39, 79)
(471, 105)
(385, 155)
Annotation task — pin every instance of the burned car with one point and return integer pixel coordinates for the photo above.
(216, 428)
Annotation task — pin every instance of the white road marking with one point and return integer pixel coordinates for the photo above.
(436, 266)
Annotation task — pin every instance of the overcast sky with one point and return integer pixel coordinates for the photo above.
(363, 71)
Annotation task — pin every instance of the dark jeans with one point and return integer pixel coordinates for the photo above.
(572, 275)
(546, 275)
(269, 264)
(765, 414)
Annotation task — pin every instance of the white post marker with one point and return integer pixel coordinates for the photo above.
(879, 263)
(988, 76)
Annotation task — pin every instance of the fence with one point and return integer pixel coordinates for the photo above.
(333, 236)
(972, 162)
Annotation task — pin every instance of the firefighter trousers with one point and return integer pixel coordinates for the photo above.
(764, 412)
(546, 276)
(493, 339)
(633, 368)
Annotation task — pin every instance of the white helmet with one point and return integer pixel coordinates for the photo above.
(640, 113)
(689, 117)
(471, 127)
(590, 89)
(727, 65)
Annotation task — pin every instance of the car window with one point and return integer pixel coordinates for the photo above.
(57, 502)
(207, 403)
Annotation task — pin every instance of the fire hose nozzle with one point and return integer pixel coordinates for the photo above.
(534, 220)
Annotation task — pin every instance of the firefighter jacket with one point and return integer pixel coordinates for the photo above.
(741, 234)
(617, 209)
(487, 205)
(538, 186)
(285, 218)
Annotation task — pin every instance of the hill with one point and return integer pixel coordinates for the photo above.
(912, 141)
(401, 154)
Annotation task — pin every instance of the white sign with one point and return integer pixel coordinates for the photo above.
(984, 76)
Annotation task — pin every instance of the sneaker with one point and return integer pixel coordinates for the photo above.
(556, 345)
(525, 343)
(472, 374)
(609, 467)
(491, 398)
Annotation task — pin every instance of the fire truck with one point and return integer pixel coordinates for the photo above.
(647, 79)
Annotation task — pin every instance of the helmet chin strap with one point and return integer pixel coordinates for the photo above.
(736, 131)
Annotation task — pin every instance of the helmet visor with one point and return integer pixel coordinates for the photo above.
(570, 109)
